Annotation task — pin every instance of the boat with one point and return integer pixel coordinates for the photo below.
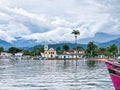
(114, 71)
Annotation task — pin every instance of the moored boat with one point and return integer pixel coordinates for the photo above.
(114, 71)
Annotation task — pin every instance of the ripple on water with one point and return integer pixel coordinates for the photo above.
(53, 75)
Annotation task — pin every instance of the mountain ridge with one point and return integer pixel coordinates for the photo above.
(72, 45)
(30, 44)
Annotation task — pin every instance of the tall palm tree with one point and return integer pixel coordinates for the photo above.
(76, 32)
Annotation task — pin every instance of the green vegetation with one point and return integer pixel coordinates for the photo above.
(113, 49)
(101, 51)
(26, 52)
(36, 51)
(1, 49)
(59, 51)
(92, 50)
(65, 47)
(79, 48)
(14, 50)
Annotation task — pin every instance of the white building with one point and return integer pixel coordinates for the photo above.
(49, 53)
(72, 54)
(5, 55)
(19, 54)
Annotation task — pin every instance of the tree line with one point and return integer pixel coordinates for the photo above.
(91, 50)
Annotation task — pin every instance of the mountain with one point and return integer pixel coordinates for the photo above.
(24, 43)
(99, 38)
(5, 44)
(71, 45)
(106, 44)
(20, 43)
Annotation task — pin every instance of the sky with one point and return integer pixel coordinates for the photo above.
(54, 20)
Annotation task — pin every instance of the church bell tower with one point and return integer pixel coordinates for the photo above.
(46, 47)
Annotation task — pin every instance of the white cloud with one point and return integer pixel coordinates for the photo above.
(5, 36)
(53, 20)
(56, 35)
(14, 29)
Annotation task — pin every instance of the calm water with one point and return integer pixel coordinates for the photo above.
(54, 75)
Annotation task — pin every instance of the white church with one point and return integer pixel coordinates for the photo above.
(49, 53)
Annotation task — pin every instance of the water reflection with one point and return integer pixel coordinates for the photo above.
(53, 75)
(91, 63)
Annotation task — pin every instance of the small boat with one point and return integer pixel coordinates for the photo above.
(114, 71)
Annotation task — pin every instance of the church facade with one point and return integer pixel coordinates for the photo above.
(49, 52)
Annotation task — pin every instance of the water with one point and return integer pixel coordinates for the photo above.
(54, 75)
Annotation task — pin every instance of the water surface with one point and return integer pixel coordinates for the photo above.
(54, 75)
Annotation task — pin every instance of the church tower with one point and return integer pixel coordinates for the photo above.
(46, 47)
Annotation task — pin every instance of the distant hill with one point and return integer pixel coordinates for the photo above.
(106, 44)
(99, 37)
(71, 45)
(31, 44)
(24, 43)
(5, 44)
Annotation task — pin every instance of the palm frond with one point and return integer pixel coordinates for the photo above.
(76, 32)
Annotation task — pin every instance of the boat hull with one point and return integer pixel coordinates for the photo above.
(114, 71)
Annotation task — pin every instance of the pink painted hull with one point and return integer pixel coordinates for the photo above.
(114, 71)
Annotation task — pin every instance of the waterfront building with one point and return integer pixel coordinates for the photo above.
(19, 54)
(5, 55)
(49, 52)
(72, 54)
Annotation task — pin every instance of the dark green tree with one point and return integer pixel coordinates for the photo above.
(58, 50)
(107, 53)
(36, 51)
(65, 47)
(1, 49)
(101, 51)
(112, 49)
(26, 52)
(91, 48)
(79, 48)
(14, 50)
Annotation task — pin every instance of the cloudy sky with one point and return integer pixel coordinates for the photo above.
(54, 20)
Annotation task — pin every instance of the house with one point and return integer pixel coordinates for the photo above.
(19, 54)
(5, 55)
(72, 54)
(49, 52)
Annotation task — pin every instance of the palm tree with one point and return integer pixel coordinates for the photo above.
(91, 47)
(76, 32)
